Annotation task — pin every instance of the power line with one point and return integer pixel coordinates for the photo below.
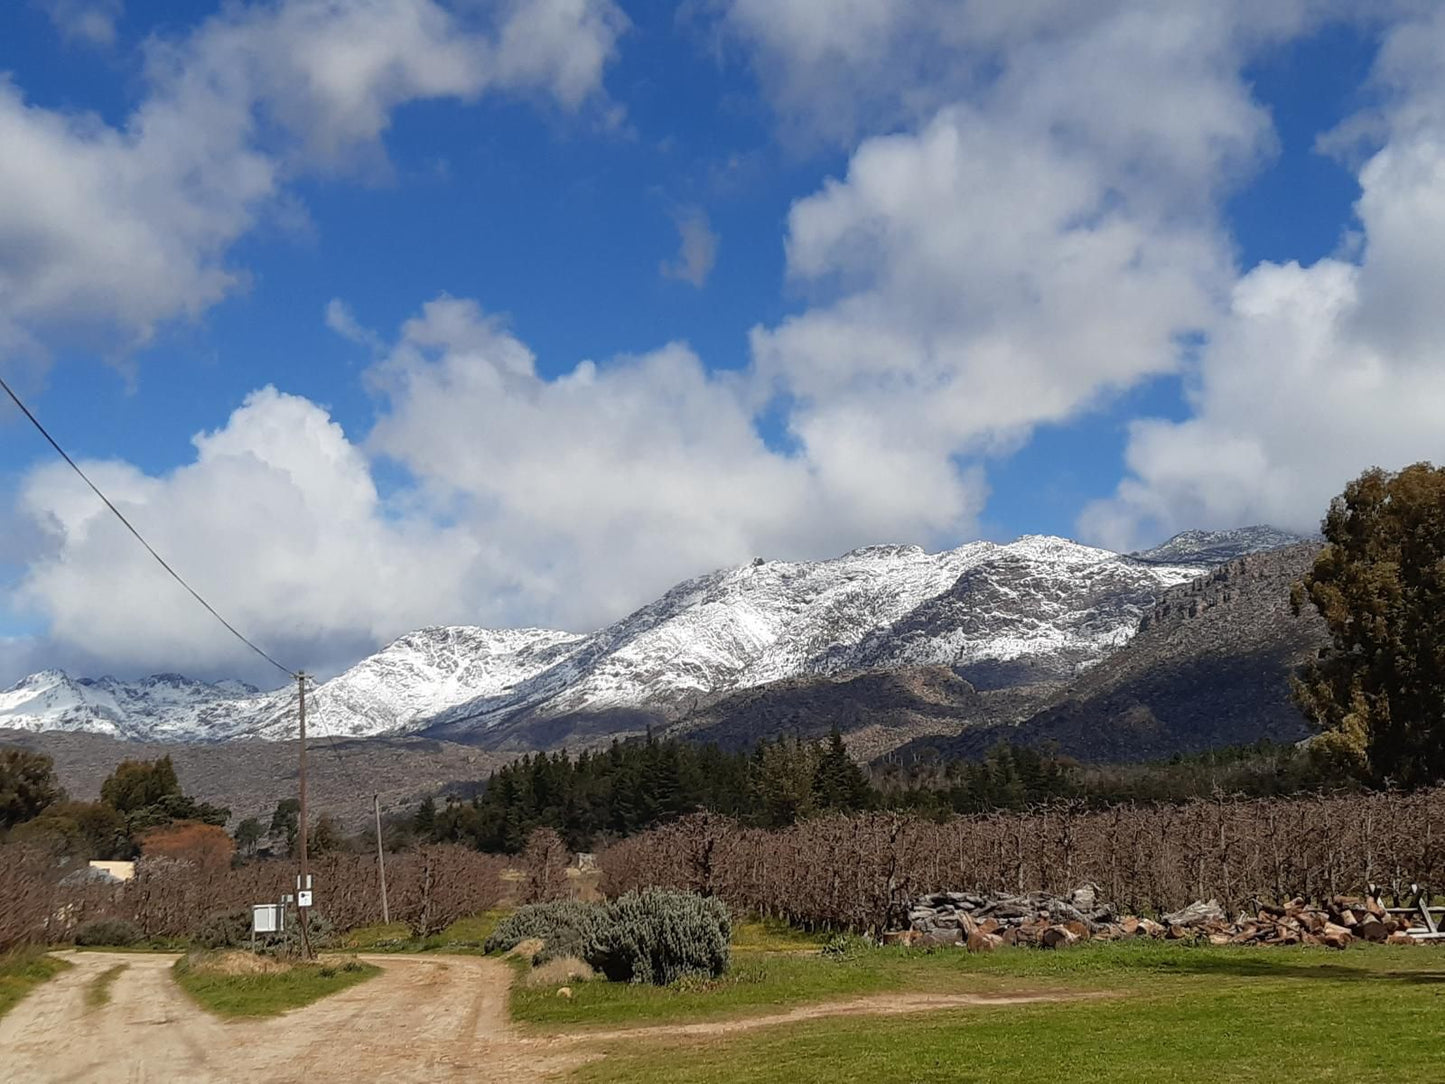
(128, 526)
(250, 731)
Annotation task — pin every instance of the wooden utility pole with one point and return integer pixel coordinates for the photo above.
(303, 882)
(381, 859)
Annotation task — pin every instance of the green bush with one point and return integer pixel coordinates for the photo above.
(564, 927)
(108, 932)
(224, 929)
(658, 936)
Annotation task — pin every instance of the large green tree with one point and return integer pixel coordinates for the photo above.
(1378, 690)
(27, 785)
(148, 794)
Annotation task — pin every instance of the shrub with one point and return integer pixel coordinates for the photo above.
(223, 929)
(109, 932)
(564, 927)
(658, 936)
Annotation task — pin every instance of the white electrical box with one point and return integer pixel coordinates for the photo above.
(267, 918)
(303, 899)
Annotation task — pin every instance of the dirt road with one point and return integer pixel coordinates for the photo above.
(422, 1019)
(431, 1019)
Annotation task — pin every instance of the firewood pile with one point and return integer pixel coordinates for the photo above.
(984, 923)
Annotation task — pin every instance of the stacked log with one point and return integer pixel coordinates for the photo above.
(983, 923)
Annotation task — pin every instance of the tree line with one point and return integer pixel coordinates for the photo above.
(596, 797)
(141, 799)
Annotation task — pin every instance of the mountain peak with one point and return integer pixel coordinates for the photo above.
(1217, 547)
(1038, 608)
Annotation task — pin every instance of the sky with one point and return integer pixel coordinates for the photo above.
(378, 314)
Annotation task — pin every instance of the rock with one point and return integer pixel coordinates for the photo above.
(902, 937)
(1085, 897)
(1149, 928)
(564, 991)
(947, 936)
(1197, 913)
(1057, 937)
(978, 941)
(1400, 937)
(1372, 929)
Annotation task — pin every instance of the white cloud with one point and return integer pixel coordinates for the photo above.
(340, 319)
(277, 522)
(90, 22)
(853, 66)
(113, 231)
(697, 251)
(1025, 252)
(561, 501)
(610, 483)
(1319, 371)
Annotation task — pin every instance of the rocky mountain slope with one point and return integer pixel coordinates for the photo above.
(1039, 609)
(1209, 667)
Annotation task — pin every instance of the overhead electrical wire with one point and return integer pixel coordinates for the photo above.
(294, 674)
(139, 538)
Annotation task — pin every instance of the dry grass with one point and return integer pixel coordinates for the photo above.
(559, 972)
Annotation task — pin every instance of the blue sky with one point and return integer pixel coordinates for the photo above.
(517, 311)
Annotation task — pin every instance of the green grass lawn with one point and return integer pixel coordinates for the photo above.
(21, 971)
(1175, 1013)
(464, 935)
(97, 991)
(265, 994)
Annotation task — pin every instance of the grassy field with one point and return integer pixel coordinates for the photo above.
(464, 935)
(21, 971)
(1168, 1011)
(226, 992)
(97, 991)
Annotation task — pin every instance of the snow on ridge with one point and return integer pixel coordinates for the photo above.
(1040, 597)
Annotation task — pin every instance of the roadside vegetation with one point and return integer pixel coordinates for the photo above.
(23, 970)
(236, 984)
(1141, 1012)
(97, 991)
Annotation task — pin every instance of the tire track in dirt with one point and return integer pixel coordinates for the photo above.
(428, 1019)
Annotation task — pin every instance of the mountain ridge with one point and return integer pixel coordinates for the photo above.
(1040, 606)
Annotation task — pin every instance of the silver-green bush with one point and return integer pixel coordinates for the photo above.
(657, 936)
(564, 927)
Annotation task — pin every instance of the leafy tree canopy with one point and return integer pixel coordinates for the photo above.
(1378, 692)
(27, 785)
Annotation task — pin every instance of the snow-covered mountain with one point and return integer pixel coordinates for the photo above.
(1218, 547)
(1038, 607)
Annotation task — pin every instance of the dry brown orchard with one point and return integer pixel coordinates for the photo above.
(429, 888)
(860, 871)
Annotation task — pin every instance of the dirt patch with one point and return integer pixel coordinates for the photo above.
(874, 1005)
(426, 1019)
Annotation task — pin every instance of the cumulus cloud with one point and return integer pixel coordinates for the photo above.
(851, 67)
(276, 521)
(1023, 253)
(89, 22)
(563, 501)
(1320, 371)
(611, 482)
(114, 230)
(340, 319)
(697, 248)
